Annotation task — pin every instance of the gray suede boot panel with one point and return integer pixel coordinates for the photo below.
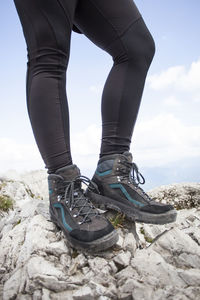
(69, 172)
(105, 166)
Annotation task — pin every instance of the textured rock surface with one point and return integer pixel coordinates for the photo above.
(181, 195)
(148, 262)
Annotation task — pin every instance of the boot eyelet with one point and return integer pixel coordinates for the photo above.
(59, 197)
(118, 178)
(75, 215)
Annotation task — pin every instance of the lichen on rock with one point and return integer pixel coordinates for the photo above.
(180, 195)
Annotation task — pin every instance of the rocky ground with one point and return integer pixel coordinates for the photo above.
(148, 262)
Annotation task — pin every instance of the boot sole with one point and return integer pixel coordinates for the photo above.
(132, 213)
(97, 245)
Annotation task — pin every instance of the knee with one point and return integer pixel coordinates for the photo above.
(51, 60)
(144, 46)
(138, 44)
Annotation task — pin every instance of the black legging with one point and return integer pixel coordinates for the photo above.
(115, 26)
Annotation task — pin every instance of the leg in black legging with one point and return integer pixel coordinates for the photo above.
(47, 28)
(117, 27)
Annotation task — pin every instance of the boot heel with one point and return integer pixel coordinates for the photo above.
(53, 219)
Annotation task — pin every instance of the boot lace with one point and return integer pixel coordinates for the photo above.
(130, 172)
(71, 194)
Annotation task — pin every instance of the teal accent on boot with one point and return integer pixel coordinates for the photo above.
(58, 205)
(124, 191)
(104, 173)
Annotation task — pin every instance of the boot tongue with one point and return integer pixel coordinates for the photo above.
(68, 172)
(129, 156)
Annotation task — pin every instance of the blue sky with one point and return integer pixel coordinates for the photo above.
(166, 139)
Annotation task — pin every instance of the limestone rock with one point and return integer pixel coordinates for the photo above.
(123, 259)
(11, 287)
(181, 195)
(149, 261)
(84, 293)
(130, 243)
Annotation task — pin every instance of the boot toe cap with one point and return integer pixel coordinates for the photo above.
(88, 232)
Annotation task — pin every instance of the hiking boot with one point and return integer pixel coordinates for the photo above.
(84, 227)
(118, 179)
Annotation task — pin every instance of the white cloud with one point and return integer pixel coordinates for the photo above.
(165, 139)
(86, 142)
(85, 147)
(20, 157)
(177, 77)
(172, 101)
(165, 78)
